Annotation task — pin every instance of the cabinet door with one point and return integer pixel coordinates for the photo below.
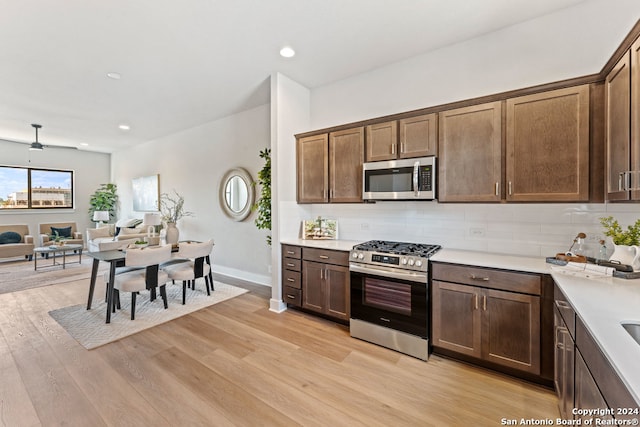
(337, 282)
(382, 141)
(617, 119)
(312, 165)
(346, 155)
(588, 394)
(635, 113)
(313, 294)
(418, 136)
(547, 146)
(563, 366)
(470, 147)
(456, 318)
(511, 330)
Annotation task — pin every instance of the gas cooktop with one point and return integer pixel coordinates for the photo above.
(400, 248)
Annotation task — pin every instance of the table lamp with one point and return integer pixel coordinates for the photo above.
(100, 216)
(152, 220)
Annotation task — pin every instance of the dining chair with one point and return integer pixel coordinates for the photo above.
(150, 276)
(196, 265)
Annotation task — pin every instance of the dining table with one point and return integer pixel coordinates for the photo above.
(116, 258)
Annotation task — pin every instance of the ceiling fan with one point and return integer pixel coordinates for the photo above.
(37, 145)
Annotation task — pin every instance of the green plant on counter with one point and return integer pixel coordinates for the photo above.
(263, 205)
(613, 229)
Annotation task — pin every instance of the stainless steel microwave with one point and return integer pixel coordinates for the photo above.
(406, 179)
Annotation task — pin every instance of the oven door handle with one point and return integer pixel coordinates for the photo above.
(412, 276)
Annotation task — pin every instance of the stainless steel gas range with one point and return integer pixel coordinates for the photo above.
(389, 295)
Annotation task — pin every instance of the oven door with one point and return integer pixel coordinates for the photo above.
(384, 298)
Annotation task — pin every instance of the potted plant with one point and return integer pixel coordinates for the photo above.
(172, 209)
(625, 241)
(105, 198)
(263, 205)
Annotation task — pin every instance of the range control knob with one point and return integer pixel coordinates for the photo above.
(411, 262)
(404, 261)
(354, 255)
(418, 263)
(360, 256)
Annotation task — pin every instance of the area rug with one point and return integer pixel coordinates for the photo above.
(88, 327)
(20, 275)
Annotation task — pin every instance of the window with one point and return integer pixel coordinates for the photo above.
(30, 188)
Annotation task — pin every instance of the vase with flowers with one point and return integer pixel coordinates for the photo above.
(172, 209)
(626, 242)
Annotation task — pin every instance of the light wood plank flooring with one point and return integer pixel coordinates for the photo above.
(236, 364)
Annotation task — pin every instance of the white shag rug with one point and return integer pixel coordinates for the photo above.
(88, 327)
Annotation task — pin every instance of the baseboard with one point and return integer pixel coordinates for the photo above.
(256, 279)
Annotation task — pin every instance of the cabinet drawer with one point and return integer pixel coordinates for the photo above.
(565, 310)
(488, 278)
(291, 251)
(292, 296)
(291, 279)
(326, 256)
(291, 264)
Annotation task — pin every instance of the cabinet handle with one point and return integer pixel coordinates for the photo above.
(497, 188)
(331, 193)
(290, 264)
(562, 304)
(291, 296)
(484, 302)
(393, 148)
(323, 257)
(475, 298)
(474, 277)
(290, 252)
(289, 279)
(322, 274)
(510, 192)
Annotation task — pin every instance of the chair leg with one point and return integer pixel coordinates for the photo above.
(117, 295)
(153, 294)
(163, 294)
(133, 305)
(206, 282)
(184, 292)
(211, 280)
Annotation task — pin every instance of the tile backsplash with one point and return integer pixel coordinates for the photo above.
(519, 229)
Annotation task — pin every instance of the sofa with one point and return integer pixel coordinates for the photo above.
(16, 241)
(67, 230)
(105, 238)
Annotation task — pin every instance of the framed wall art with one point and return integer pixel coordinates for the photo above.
(146, 194)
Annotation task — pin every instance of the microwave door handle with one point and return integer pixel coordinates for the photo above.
(416, 168)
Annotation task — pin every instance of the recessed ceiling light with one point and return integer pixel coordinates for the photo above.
(124, 127)
(114, 75)
(287, 52)
(84, 144)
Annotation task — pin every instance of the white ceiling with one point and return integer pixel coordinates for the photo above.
(189, 62)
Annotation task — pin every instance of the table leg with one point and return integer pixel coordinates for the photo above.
(64, 259)
(112, 275)
(35, 261)
(92, 283)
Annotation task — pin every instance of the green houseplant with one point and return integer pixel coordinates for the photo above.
(105, 198)
(263, 205)
(620, 236)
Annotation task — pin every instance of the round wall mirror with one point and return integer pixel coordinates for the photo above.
(236, 194)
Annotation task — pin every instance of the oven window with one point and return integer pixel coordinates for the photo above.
(391, 296)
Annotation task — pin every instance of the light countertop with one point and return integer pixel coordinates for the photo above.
(338, 245)
(601, 303)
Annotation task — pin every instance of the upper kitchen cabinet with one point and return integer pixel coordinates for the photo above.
(402, 139)
(313, 165)
(470, 154)
(622, 118)
(329, 167)
(547, 146)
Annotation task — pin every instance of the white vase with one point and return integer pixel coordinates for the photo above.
(173, 234)
(628, 255)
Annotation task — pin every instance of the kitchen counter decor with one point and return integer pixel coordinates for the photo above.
(625, 242)
(320, 229)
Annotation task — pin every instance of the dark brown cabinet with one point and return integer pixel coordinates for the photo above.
(622, 132)
(317, 280)
(402, 139)
(470, 154)
(587, 393)
(547, 146)
(325, 282)
(563, 377)
(478, 312)
(329, 167)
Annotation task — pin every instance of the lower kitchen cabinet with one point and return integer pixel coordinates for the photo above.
(587, 393)
(489, 315)
(317, 280)
(565, 348)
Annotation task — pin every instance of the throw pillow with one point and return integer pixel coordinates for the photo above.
(10, 237)
(61, 231)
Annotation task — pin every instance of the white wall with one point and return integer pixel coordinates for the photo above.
(193, 163)
(90, 170)
(570, 43)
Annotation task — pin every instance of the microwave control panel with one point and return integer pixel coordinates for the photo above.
(426, 175)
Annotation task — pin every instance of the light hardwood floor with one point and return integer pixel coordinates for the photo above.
(236, 364)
